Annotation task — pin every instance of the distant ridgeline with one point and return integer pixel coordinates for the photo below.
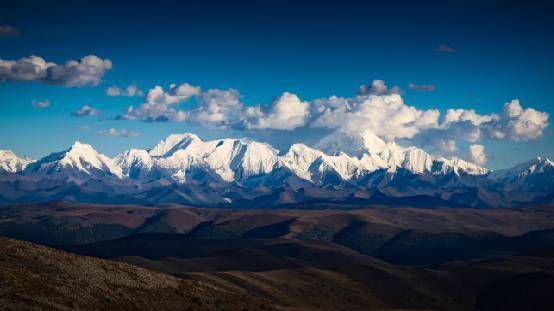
(340, 171)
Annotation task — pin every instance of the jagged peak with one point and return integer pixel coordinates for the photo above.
(10, 162)
(79, 157)
(7, 153)
(172, 143)
(299, 148)
(79, 146)
(457, 165)
(355, 144)
(133, 155)
(135, 152)
(536, 165)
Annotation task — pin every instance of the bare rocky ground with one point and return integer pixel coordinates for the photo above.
(36, 277)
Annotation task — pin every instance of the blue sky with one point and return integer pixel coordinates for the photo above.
(501, 51)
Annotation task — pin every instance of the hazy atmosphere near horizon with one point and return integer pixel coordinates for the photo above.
(277, 155)
(462, 74)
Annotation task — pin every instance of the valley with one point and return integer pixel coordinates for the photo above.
(377, 258)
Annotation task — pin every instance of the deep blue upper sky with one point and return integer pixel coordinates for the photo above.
(503, 51)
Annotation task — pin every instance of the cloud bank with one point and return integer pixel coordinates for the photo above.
(376, 108)
(158, 105)
(74, 73)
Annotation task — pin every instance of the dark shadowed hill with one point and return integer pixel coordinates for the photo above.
(406, 236)
(367, 259)
(326, 276)
(41, 278)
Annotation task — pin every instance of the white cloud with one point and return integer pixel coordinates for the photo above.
(41, 103)
(85, 110)
(513, 123)
(286, 113)
(9, 31)
(448, 146)
(422, 88)
(477, 154)
(218, 109)
(86, 72)
(129, 91)
(377, 87)
(157, 106)
(113, 132)
(377, 108)
(524, 124)
(385, 115)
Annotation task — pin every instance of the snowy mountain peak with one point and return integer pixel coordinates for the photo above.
(185, 169)
(173, 143)
(81, 148)
(521, 171)
(540, 165)
(11, 163)
(230, 159)
(456, 165)
(353, 144)
(133, 160)
(375, 152)
(80, 160)
(7, 154)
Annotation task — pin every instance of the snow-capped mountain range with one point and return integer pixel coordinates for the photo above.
(342, 168)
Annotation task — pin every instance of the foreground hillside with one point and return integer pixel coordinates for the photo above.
(260, 275)
(368, 259)
(326, 276)
(38, 277)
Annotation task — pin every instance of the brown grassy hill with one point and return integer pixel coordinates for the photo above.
(327, 276)
(38, 277)
(59, 223)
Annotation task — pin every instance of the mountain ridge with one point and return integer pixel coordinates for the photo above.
(227, 170)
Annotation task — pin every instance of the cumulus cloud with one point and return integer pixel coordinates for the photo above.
(113, 132)
(9, 31)
(85, 72)
(158, 104)
(286, 113)
(376, 108)
(129, 91)
(218, 109)
(422, 88)
(477, 154)
(41, 103)
(84, 111)
(385, 115)
(377, 87)
(514, 122)
(523, 124)
(443, 48)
